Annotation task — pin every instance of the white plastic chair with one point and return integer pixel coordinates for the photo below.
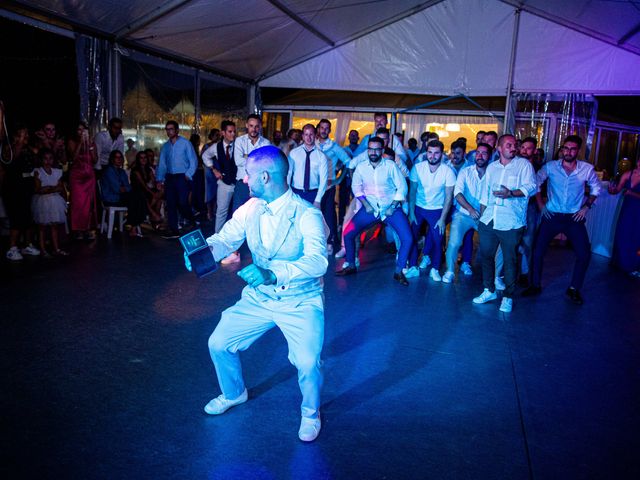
(111, 211)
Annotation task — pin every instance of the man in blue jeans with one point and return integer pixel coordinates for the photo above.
(565, 212)
(175, 171)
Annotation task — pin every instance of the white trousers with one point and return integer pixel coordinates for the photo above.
(223, 202)
(302, 324)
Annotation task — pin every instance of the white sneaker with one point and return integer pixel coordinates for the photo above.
(340, 253)
(425, 262)
(30, 250)
(435, 275)
(507, 305)
(499, 284)
(14, 254)
(411, 272)
(309, 429)
(485, 296)
(221, 404)
(466, 269)
(232, 258)
(448, 277)
(329, 249)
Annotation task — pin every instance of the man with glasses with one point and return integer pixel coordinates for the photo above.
(380, 188)
(175, 171)
(565, 212)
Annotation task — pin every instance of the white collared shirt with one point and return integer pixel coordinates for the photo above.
(469, 184)
(381, 185)
(507, 213)
(431, 186)
(319, 170)
(212, 152)
(242, 148)
(105, 145)
(566, 191)
(335, 153)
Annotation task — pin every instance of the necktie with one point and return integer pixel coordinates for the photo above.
(307, 171)
(228, 154)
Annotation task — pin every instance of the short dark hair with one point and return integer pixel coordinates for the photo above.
(505, 135)
(573, 138)
(493, 133)
(530, 140)
(309, 126)
(459, 144)
(227, 123)
(382, 130)
(389, 152)
(380, 114)
(413, 141)
(487, 146)
(254, 116)
(480, 132)
(114, 120)
(436, 143)
(173, 123)
(212, 133)
(375, 140)
(44, 151)
(324, 120)
(291, 132)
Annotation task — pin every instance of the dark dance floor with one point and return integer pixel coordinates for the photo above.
(106, 370)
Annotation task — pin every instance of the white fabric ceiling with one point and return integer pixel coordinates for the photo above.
(428, 47)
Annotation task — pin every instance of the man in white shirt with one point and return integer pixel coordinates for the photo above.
(284, 285)
(465, 219)
(457, 160)
(219, 159)
(470, 156)
(107, 141)
(565, 212)
(244, 145)
(509, 183)
(430, 199)
(380, 121)
(309, 168)
(527, 150)
(412, 152)
(338, 159)
(381, 189)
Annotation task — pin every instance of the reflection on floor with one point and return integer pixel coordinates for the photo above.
(106, 371)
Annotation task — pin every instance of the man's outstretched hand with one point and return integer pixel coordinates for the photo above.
(256, 276)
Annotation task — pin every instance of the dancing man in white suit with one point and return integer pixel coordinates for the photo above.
(287, 239)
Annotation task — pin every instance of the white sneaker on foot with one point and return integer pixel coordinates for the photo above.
(435, 275)
(14, 254)
(499, 284)
(507, 305)
(340, 253)
(411, 272)
(448, 277)
(30, 250)
(485, 296)
(425, 262)
(309, 429)
(232, 258)
(466, 269)
(221, 404)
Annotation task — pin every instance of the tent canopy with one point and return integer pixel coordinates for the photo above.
(437, 47)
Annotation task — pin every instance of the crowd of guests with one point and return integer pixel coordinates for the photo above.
(431, 202)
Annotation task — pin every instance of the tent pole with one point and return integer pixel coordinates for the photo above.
(508, 113)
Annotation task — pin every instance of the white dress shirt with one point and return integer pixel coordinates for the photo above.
(469, 184)
(319, 170)
(566, 191)
(507, 213)
(381, 185)
(105, 145)
(336, 155)
(243, 147)
(431, 191)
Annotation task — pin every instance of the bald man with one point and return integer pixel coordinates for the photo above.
(287, 239)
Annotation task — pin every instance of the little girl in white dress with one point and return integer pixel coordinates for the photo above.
(48, 206)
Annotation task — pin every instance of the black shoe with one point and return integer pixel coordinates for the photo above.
(532, 291)
(170, 235)
(401, 279)
(574, 296)
(346, 271)
(523, 281)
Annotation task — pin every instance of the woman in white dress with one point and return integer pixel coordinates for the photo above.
(48, 205)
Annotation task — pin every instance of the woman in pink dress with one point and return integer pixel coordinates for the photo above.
(82, 184)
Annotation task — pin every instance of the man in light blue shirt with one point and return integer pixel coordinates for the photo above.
(175, 170)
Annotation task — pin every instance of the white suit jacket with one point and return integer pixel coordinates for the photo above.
(295, 252)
